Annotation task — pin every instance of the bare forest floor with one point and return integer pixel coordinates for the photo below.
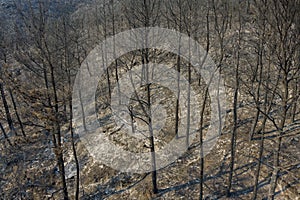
(28, 167)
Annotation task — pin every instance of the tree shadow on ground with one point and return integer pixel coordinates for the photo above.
(105, 191)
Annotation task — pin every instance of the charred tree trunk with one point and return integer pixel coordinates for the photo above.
(235, 114)
(17, 113)
(74, 147)
(57, 135)
(7, 111)
(5, 135)
(178, 64)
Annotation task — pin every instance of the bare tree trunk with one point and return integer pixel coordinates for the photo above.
(68, 69)
(262, 130)
(283, 55)
(16, 112)
(266, 110)
(74, 149)
(5, 135)
(274, 178)
(259, 72)
(233, 139)
(296, 97)
(262, 8)
(130, 109)
(188, 119)
(201, 143)
(178, 73)
(221, 28)
(277, 149)
(80, 94)
(235, 107)
(7, 111)
(261, 150)
(153, 159)
(47, 85)
(149, 116)
(104, 53)
(57, 135)
(255, 121)
(203, 111)
(114, 49)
